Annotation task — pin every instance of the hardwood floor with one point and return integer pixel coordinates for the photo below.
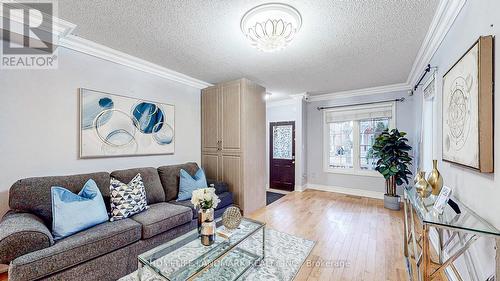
(356, 238)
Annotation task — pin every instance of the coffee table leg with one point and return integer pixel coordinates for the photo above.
(263, 245)
(264, 242)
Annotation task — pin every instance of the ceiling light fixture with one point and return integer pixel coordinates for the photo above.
(272, 26)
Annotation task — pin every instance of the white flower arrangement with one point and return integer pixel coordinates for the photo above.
(205, 198)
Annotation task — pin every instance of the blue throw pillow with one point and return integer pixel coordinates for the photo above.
(72, 213)
(188, 184)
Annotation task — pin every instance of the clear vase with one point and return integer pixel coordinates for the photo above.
(206, 226)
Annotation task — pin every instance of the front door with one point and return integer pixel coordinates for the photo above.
(282, 155)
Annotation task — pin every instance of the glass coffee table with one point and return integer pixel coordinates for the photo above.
(185, 258)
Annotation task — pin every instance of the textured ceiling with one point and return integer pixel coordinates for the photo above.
(343, 45)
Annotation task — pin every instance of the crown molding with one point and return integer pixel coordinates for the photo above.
(97, 50)
(447, 12)
(59, 29)
(361, 92)
(301, 96)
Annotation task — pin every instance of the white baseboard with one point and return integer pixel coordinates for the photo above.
(346, 190)
(300, 188)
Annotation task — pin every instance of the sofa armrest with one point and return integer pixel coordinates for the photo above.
(220, 187)
(22, 233)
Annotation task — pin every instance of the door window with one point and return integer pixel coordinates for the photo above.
(282, 142)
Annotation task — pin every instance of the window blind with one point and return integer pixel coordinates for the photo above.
(354, 113)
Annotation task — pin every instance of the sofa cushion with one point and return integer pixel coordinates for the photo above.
(78, 248)
(220, 187)
(22, 233)
(150, 178)
(169, 176)
(188, 183)
(226, 199)
(161, 217)
(32, 195)
(72, 212)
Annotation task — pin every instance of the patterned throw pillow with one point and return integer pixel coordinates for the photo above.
(127, 199)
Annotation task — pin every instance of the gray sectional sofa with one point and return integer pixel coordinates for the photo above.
(107, 251)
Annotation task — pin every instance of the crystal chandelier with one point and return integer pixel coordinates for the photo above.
(272, 26)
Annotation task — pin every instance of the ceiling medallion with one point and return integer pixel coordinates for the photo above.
(272, 26)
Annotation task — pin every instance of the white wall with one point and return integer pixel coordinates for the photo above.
(279, 111)
(39, 118)
(293, 109)
(480, 192)
(315, 172)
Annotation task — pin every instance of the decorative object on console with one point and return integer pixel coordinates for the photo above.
(188, 184)
(435, 179)
(127, 199)
(391, 148)
(468, 108)
(112, 125)
(417, 177)
(206, 201)
(442, 199)
(231, 218)
(72, 213)
(422, 187)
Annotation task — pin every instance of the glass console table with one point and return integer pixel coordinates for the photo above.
(466, 227)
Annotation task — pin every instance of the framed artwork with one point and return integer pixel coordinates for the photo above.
(468, 108)
(113, 125)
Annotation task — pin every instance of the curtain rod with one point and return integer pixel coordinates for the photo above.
(427, 70)
(402, 99)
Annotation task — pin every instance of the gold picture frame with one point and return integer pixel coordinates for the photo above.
(467, 109)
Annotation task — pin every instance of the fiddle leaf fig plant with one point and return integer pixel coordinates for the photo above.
(394, 161)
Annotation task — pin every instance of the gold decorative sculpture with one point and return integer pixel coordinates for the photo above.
(435, 179)
(417, 177)
(423, 188)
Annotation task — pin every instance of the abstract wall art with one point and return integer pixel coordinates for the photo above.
(113, 125)
(468, 108)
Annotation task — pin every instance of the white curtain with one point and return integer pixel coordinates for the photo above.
(426, 137)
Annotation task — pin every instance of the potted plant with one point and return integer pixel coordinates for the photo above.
(391, 148)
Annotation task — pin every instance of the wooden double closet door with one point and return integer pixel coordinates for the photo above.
(221, 143)
(231, 111)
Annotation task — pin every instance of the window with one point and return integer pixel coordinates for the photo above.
(341, 143)
(349, 136)
(368, 131)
